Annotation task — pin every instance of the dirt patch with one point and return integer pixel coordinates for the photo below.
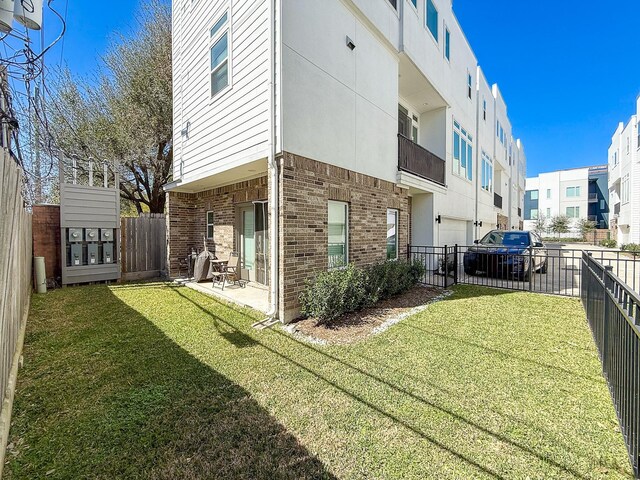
(354, 327)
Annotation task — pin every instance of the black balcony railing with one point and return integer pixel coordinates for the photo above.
(497, 200)
(616, 208)
(593, 197)
(413, 158)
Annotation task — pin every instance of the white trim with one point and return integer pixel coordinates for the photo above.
(346, 229)
(425, 23)
(396, 213)
(225, 29)
(212, 224)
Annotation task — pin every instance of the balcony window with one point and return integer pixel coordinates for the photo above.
(392, 234)
(219, 41)
(432, 19)
(338, 225)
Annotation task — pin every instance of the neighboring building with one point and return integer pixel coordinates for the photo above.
(624, 180)
(577, 193)
(342, 129)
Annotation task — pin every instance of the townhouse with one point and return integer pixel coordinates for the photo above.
(578, 193)
(310, 134)
(624, 180)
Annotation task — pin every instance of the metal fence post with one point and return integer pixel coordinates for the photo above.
(531, 269)
(608, 286)
(455, 264)
(444, 267)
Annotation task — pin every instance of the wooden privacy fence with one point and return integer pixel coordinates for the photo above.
(15, 284)
(143, 246)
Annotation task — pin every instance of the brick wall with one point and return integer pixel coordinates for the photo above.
(188, 224)
(306, 186)
(46, 238)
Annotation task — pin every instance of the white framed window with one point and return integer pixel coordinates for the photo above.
(500, 132)
(624, 189)
(219, 46)
(548, 213)
(487, 173)
(469, 85)
(534, 195)
(392, 234)
(462, 152)
(210, 224)
(338, 227)
(484, 109)
(533, 214)
(548, 193)
(408, 123)
(573, 192)
(447, 44)
(431, 19)
(573, 212)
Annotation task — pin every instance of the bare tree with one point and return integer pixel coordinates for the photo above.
(125, 115)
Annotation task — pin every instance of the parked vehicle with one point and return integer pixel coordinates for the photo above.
(512, 253)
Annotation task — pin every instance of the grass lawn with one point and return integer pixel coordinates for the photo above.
(156, 381)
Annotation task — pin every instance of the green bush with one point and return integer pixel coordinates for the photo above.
(632, 248)
(336, 292)
(608, 243)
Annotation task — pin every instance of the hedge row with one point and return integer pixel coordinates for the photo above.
(336, 292)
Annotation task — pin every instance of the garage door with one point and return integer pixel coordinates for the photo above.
(454, 231)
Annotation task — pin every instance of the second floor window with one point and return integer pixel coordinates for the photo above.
(573, 212)
(462, 152)
(624, 189)
(219, 40)
(447, 43)
(487, 173)
(432, 18)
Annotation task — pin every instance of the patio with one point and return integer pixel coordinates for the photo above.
(252, 295)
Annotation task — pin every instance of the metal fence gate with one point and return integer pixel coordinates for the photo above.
(555, 271)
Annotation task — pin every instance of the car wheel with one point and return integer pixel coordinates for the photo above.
(470, 271)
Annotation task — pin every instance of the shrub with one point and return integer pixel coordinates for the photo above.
(632, 248)
(332, 294)
(608, 243)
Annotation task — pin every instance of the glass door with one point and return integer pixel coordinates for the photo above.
(248, 241)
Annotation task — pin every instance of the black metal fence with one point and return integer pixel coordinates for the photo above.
(555, 271)
(613, 313)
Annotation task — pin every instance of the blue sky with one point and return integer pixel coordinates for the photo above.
(568, 69)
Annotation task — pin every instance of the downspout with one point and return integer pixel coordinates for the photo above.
(274, 182)
(478, 173)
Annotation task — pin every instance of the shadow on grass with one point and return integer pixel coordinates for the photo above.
(327, 357)
(119, 399)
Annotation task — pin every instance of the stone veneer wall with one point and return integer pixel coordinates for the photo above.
(188, 224)
(305, 188)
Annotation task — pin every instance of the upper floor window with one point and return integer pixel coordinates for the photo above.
(624, 189)
(628, 145)
(394, 3)
(573, 191)
(415, 3)
(487, 173)
(432, 18)
(548, 193)
(469, 84)
(219, 41)
(462, 152)
(447, 44)
(500, 132)
(533, 195)
(407, 124)
(484, 110)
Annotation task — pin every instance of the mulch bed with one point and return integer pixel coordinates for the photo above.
(356, 326)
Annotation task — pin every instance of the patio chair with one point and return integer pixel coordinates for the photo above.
(229, 273)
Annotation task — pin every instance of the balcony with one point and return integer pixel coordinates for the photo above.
(593, 198)
(497, 200)
(412, 158)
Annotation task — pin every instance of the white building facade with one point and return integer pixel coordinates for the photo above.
(624, 180)
(345, 129)
(579, 193)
